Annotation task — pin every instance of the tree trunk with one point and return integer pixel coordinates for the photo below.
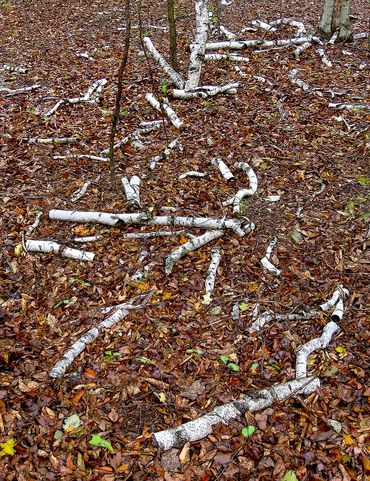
(173, 35)
(335, 16)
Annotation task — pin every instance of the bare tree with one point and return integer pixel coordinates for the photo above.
(173, 34)
(116, 111)
(335, 16)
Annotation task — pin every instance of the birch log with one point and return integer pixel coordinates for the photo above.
(223, 56)
(239, 196)
(264, 25)
(223, 168)
(254, 401)
(166, 67)
(265, 261)
(212, 271)
(132, 191)
(243, 44)
(191, 245)
(239, 226)
(197, 49)
(349, 106)
(54, 140)
(206, 91)
(51, 246)
(301, 30)
(67, 359)
(166, 109)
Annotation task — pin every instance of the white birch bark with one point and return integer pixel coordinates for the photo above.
(270, 316)
(79, 193)
(166, 67)
(197, 49)
(132, 191)
(92, 238)
(223, 56)
(264, 25)
(206, 91)
(165, 154)
(22, 90)
(54, 140)
(192, 173)
(166, 109)
(12, 69)
(243, 44)
(239, 196)
(265, 261)
(148, 235)
(254, 401)
(325, 24)
(212, 271)
(51, 246)
(191, 245)
(301, 30)
(223, 168)
(301, 83)
(227, 34)
(80, 156)
(239, 226)
(79, 346)
(341, 106)
(34, 226)
(323, 57)
(301, 48)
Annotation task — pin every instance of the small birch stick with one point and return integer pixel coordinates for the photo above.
(337, 301)
(22, 90)
(132, 191)
(301, 30)
(212, 271)
(93, 238)
(301, 48)
(77, 194)
(239, 196)
(166, 108)
(140, 273)
(263, 25)
(197, 49)
(80, 156)
(318, 343)
(79, 346)
(349, 106)
(51, 246)
(164, 155)
(224, 56)
(54, 140)
(206, 91)
(265, 261)
(192, 173)
(32, 227)
(148, 235)
(323, 57)
(301, 84)
(174, 76)
(223, 168)
(239, 226)
(235, 312)
(269, 316)
(254, 401)
(10, 68)
(243, 44)
(227, 34)
(334, 37)
(191, 245)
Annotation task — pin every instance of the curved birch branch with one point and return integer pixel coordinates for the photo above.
(223, 168)
(239, 196)
(32, 227)
(191, 245)
(265, 261)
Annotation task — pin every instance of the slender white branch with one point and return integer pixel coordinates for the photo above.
(254, 401)
(166, 109)
(323, 57)
(197, 49)
(54, 140)
(212, 270)
(206, 91)
(22, 90)
(223, 168)
(81, 191)
(239, 196)
(269, 316)
(224, 56)
(349, 106)
(239, 226)
(32, 227)
(165, 154)
(263, 25)
(301, 84)
(12, 69)
(93, 238)
(148, 235)
(301, 30)
(265, 261)
(301, 48)
(132, 191)
(191, 245)
(243, 44)
(192, 173)
(80, 156)
(227, 34)
(51, 246)
(174, 76)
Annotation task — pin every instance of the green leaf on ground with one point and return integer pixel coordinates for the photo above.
(290, 476)
(215, 311)
(7, 449)
(363, 180)
(224, 359)
(248, 431)
(145, 360)
(98, 441)
(243, 306)
(233, 367)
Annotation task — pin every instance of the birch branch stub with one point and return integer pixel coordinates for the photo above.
(212, 271)
(206, 91)
(36, 223)
(165, 154)
(51, 246)
(79, 193)
(243, 44)
(132, 191)
(265, 261)
(223, 168)
(254, 401)
(191, 245)
(166, 109)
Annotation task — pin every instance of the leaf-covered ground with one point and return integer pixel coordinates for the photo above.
(161, 366)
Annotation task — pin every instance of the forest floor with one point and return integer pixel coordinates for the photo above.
(161, 365)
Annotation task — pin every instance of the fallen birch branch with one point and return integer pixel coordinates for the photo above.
(223, 168)
(54, 140)
(165, 108)
(91, 96)
(239, 196)
(224, 56)
(205, 91)
(212, 271)
(93, 238)
(77, 194)
(132, 191)
(336, 301)
(269, 316)
(22, 90)
(227, 34)
(265, 261)
(301, 84)
(301, 48)
(264, 25)
(254, 401)
(192, 173)
(349, 106)
(10, 68)
(165, 154)
(243, 44)
(197, 49)
(80, 156)
(32, 227)
(301, 30)
(51, 246)
(323, 57)
(174, 76)
(191, 245)
(148, 235)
